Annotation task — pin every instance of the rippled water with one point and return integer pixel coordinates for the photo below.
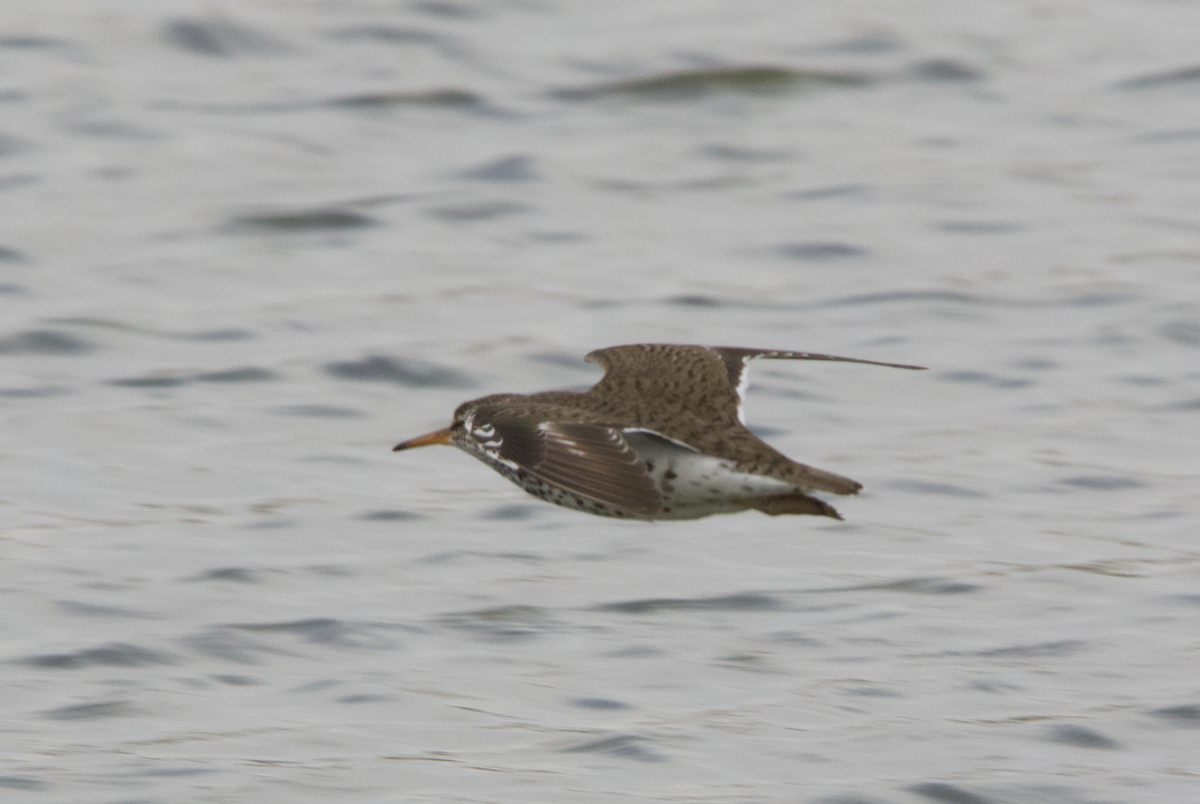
(244, 250)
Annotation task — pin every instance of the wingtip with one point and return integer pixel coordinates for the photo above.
(892, 365)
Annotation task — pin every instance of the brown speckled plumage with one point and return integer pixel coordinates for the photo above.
(660, 436)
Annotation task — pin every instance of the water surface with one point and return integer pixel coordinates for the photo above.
(245, 250)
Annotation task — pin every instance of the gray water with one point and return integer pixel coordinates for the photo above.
(247, 247)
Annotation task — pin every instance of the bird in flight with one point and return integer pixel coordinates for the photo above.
(661, 436)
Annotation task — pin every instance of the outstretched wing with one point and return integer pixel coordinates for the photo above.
(647, 383)
(736, 360)
(693, 395)
(589, 460)
(709, 380)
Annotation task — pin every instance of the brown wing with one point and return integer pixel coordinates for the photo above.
(736, 358)
(590, 460)
(692, 394)
(659, 384)
(709, 380)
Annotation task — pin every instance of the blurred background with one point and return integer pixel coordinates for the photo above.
(245, 248)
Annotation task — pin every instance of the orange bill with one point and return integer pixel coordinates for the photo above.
(439, 437)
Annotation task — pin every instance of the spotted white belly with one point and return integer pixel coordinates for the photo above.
(695, 485)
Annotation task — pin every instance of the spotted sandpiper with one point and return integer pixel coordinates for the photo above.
(661, 436)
